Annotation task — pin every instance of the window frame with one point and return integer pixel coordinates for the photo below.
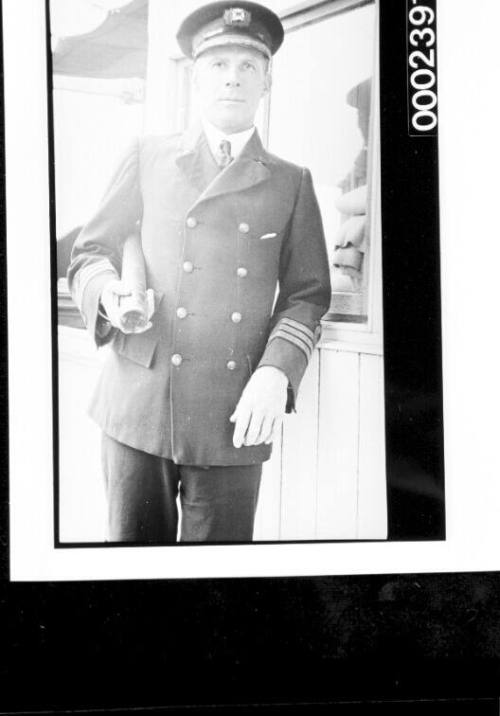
(347, 335)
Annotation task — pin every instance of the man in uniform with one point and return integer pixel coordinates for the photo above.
(191, 405)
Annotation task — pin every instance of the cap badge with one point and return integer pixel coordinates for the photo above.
(237, 16)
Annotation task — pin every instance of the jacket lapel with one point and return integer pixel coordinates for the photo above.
(195, 159)
(247, 170)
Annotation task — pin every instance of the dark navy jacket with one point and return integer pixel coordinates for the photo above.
(238, 264)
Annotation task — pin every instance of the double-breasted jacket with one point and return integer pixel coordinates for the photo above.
(237, 262)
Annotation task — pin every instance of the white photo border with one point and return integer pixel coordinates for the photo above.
(472, 484)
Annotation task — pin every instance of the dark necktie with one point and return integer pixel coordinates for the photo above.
(224, 157)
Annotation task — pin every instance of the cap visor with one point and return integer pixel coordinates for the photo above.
(232, 41)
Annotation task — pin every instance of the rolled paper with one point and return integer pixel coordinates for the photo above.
(353, 275)
(133, 308)
(353, 202)
(349, 257)
(351, 231)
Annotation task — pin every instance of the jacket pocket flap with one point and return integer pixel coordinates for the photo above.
(140, 347)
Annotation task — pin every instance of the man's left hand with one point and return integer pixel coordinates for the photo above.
(260, 410)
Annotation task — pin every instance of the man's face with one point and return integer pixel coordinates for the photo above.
(229, 83)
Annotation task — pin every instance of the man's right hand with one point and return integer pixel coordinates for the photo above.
(113, 292)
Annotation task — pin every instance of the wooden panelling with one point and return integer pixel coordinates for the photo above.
(338, 445)
(326, 478)
(372, 507)
(299, 476)
(267, 520)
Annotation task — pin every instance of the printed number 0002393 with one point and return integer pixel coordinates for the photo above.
(422, 81)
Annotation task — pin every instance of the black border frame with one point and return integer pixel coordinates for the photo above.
(412, 306)
(321, 642)
(412, 298)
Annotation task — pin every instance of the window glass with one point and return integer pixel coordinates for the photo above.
(94, 121)
(319, 118)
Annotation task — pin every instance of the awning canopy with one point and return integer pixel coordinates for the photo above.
(115, 49)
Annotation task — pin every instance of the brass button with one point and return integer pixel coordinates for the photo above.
(176, 360)
(187, 267)
(236, 317)
(231, 364)
(242, 272)
(244, 228)
(181, 312)
(191, 222)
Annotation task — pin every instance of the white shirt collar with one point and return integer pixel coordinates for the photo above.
(215, 136)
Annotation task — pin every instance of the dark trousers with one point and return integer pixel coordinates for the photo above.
(218, 504)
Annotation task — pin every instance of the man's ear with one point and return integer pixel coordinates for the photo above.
(268, 81)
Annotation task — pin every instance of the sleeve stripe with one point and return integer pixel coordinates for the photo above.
(87, 273)
(293, 339)
(286, 334)
(298, 326)
(292, 332)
